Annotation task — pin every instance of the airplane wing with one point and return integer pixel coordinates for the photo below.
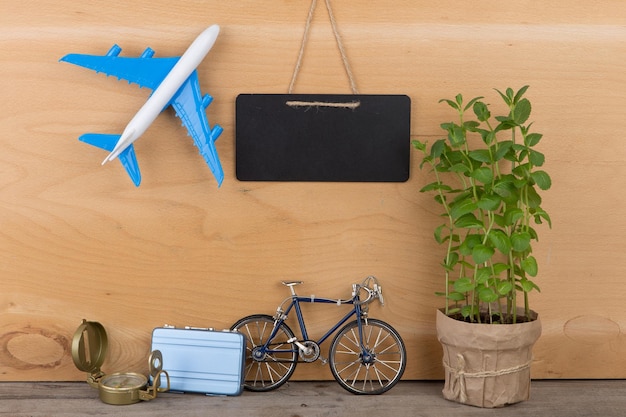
(143, 70)
(190, 106)
(127, 157)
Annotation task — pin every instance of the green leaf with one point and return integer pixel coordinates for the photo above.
(469, 221)
(541, 214)
(520, 241)
(456, 296)
(508, 97)
(504, 287)
(512, 216)
(500, 267)
(463, 285)
(483, 175)
(529, 265)
(480, 155)
(421, 146)
(481, 110)
(437, 149)
(453, 310)
(487, 295)
(471, 103)
(499, 220)
(435, 186)
(522, 170)
(447, 126)
(503, 148)
(536, 158)
(504, 188)
(455, 156)
(460, 168)
(488, 136)
(463, 194)
(425, 160)
(469, 310)
(452, 260)
(500, 240)
(533, 199)
(482, 253)
(532, 139)
(456, 136)
(462, 207)
(438, 234)
(542, 179)
(521, 111)
(505, 123)
(489, 202)
(471, 125)
(450, 103)
(520, 93)
(466, 247)
(527, 285)
(459, 99)
(482, 275)
(521, 183)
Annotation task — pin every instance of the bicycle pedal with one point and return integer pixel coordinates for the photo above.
(324, 360)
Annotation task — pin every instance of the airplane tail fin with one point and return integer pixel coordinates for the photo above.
(127, 157)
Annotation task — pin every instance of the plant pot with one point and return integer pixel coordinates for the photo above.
(487, 365)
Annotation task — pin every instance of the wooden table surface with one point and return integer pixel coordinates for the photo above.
(311, 399)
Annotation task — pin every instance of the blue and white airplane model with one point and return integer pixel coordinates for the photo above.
(174, 82)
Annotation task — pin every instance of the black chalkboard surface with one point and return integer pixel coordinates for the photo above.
(322, 137)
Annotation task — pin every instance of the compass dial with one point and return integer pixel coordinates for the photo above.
(124, 381)
(122, 388)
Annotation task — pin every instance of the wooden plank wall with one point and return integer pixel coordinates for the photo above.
(77, 240)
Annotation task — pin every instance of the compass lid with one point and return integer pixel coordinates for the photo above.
(89, 346)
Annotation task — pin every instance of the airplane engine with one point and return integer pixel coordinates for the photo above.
(148, 53)
(114, 51)
(206, 100)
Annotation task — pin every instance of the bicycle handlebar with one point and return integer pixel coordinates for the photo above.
(372, 293)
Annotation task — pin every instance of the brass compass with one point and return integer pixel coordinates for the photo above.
(89, 346)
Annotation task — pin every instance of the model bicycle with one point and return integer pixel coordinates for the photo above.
(366, 356)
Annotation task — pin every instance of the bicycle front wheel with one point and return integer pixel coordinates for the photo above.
(266, 368)
(372, 365)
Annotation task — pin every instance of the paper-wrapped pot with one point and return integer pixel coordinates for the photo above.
(487, 365)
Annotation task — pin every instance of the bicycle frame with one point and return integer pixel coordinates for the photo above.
(295, 305)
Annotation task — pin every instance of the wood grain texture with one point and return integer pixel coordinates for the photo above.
(315, 399)
(77, 240)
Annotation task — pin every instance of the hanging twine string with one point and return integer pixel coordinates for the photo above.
(344, 58)
(348, 105)
(459, 372)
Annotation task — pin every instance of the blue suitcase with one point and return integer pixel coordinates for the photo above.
(202, 360)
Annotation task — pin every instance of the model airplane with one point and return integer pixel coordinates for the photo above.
(175, 82)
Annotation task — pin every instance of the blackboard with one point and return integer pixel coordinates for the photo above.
(322, 137)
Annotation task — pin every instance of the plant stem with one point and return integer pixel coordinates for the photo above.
(450, 237)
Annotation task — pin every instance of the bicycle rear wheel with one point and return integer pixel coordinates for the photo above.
(266, 369)
(372, 368)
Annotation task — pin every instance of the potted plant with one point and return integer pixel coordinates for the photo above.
(487, 181)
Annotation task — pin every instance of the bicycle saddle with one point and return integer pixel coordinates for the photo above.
(292, 283)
